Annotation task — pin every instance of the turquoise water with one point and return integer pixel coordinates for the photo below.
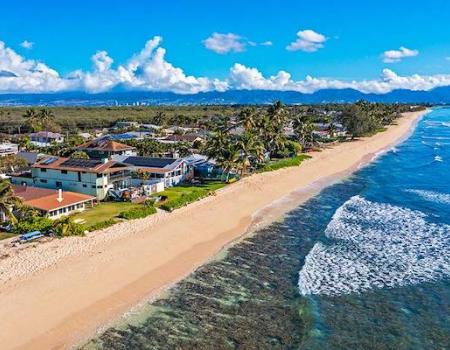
(363, 265)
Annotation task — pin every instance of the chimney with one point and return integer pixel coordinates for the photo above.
(60, 197)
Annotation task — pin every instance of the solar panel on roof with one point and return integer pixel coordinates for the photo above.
(49, 161)
(149, 162)
(81, 163)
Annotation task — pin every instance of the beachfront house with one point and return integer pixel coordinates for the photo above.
(54, 203)
(89, 176)
(171, 171)
(105, 147)
(45, 138)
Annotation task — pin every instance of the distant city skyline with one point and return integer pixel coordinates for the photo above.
(198, 45)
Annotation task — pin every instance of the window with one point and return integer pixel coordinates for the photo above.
(58, 184)
(93, 186)
(84, 185)
(79, 176)
(43, 170)
(44, 181)
(63, 171)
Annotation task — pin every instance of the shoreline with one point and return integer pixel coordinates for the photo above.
(103, 276)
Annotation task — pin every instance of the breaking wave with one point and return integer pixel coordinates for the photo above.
(373, 245)
(432, 196)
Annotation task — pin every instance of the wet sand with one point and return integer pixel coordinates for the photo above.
(64, 290)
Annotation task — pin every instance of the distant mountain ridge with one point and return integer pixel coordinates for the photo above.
(439, 95)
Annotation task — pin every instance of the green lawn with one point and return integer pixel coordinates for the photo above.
(5, 235)
(179, 196)
(284, 163)
(103, 212)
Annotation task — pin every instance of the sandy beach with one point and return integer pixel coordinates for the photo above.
(57, 293)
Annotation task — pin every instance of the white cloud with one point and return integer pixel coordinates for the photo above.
(308, 41)
(392, 56)
(27, 44)
(149, 70)
(242, 77)
(225, 43)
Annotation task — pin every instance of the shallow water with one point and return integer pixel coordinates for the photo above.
(363, 265)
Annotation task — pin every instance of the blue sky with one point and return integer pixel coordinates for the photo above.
(65, 36)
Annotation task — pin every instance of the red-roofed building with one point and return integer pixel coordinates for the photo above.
(54, 203)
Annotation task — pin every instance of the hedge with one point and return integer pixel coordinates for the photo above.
(138, 213)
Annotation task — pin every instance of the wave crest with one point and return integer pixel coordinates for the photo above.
(375, 245)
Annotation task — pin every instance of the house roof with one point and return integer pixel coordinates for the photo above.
(105, 144)
(159, 165)
(86, 165)
(46, 134)
(30, 157)
(47, 199)
(180, 138)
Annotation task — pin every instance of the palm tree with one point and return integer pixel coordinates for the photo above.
(65, 226)
(332, 129)
(32, 119)
(303, 129)
(229, 160)
(8, 202)
(249, 147)
(247, 117)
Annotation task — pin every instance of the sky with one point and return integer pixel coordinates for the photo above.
(190, 46)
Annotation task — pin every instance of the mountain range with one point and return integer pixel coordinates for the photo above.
(439, 95)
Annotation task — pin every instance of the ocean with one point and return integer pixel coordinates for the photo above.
(365, 264)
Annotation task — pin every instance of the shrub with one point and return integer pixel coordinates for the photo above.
(284, 163)
(138, 213)
(184, 199)
(66, 228)
(102, 224)
(34, 223)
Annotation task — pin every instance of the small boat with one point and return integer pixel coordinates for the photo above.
(30, 236)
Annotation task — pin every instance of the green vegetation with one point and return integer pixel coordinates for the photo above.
(12, 119)
(33, 223)
(102, 213)
(66, 227)
(8, 202)
(102, 225)
(138, 213)
(284, 163)
(179, 196)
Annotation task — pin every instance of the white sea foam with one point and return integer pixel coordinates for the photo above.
(376, 245)
(432, 196)
(438, 159)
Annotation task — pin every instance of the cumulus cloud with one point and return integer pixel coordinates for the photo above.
(27, 44)
(230, 42)
(392, 56)
(308, 41)
(149, 70)
(225, 43)
(242, 77)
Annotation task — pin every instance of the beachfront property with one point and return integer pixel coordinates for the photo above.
(170, 171)
(45, 138)
(89, 176)
(8, 149)
(53, 203)
(105, 147)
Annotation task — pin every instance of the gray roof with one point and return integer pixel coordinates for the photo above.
(30, 157)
